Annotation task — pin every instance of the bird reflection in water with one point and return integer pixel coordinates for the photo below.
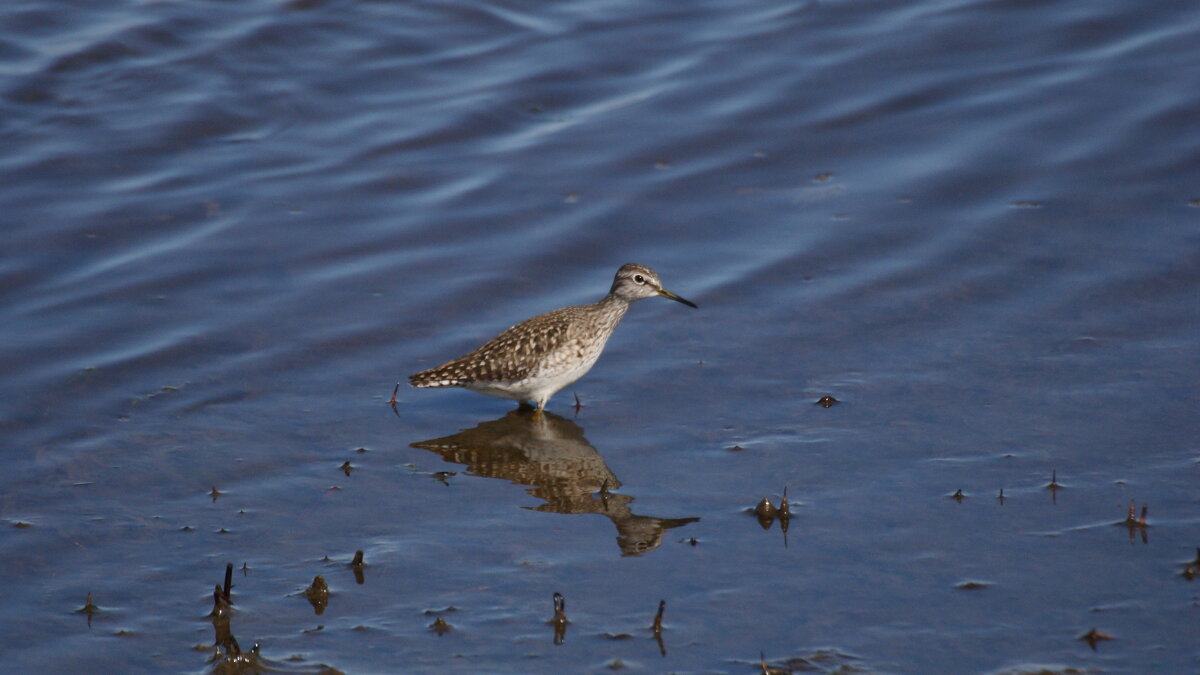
(552, 456)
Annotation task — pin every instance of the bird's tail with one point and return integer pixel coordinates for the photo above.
(442, 376)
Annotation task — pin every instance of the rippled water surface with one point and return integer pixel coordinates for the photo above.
(230, 228)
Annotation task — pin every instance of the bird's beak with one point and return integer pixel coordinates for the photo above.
(668, 294)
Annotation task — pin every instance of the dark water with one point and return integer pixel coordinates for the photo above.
(230, 228)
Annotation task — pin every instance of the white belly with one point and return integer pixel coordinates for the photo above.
(537, 388)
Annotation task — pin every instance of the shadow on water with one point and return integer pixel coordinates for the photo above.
(551, 455)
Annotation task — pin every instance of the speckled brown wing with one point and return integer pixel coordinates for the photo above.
(509, 357)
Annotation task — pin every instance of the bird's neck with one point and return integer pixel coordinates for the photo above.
(614, 306)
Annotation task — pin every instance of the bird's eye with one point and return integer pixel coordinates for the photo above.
(639, 278)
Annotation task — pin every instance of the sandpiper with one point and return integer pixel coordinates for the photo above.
(536, 358)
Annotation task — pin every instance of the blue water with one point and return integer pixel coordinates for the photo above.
(231, 228)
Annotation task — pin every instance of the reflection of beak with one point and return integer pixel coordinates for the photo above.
(668, 294)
